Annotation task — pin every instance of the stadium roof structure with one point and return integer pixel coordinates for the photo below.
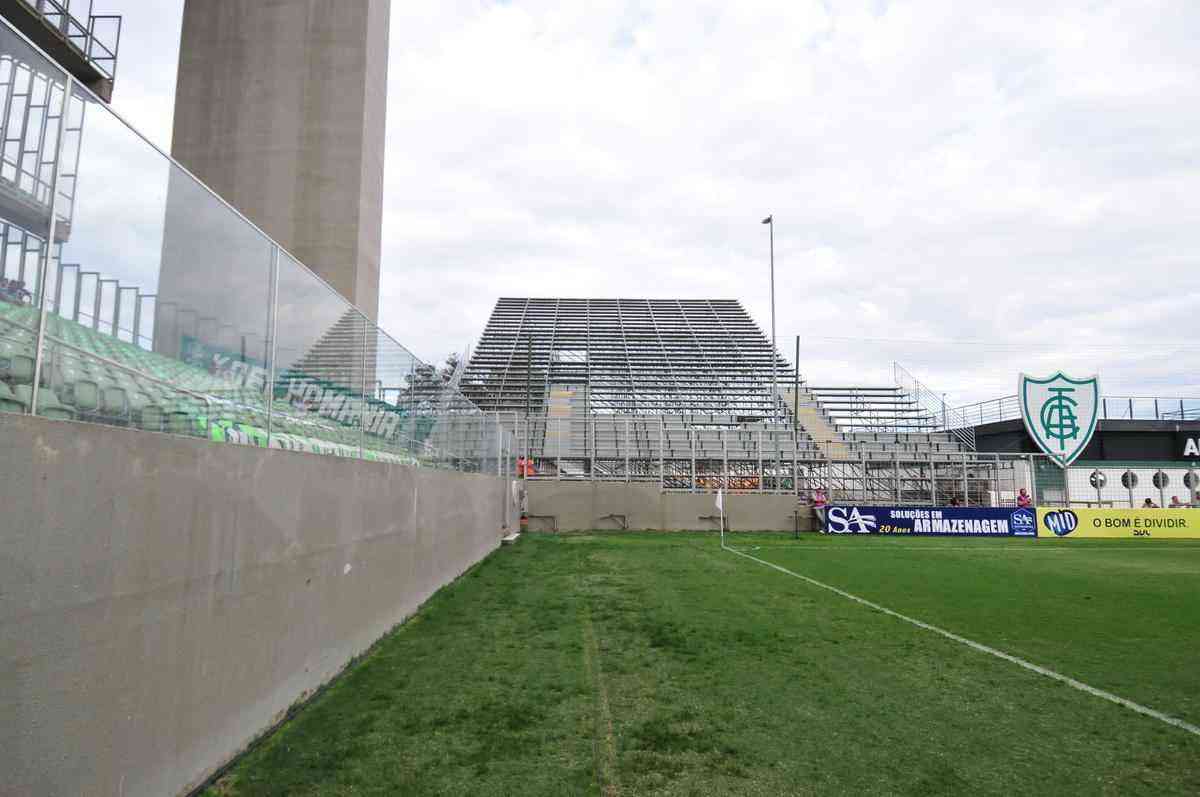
(637, 356)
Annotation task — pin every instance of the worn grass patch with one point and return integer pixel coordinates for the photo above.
(658, 664)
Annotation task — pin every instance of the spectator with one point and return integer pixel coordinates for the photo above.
(1149, 504)
(1023, 499)
(954, 502)
(1176, 503)
(819, 502)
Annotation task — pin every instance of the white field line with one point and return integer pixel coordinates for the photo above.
(1028, 665)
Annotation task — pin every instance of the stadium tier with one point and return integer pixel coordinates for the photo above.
(91, 376)
(688, 392)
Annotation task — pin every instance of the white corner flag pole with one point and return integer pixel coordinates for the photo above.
(721, 507)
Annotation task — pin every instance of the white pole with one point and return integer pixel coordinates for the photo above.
(774, 358)
(721, 507)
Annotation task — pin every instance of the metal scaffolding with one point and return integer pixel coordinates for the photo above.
(562, 357)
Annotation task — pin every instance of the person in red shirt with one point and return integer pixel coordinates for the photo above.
(819, 502)
(1023, 499)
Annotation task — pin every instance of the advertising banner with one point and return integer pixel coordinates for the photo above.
(931, 521)
(1152, 523)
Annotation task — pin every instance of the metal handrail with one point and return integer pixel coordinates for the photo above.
(951, 421)
(80, 32)
(1145, 408)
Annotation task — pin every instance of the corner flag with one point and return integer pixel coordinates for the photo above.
(768, 219)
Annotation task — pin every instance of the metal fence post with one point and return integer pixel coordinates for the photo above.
(796, 461)
(966, 491)
(863, 482)
(499, 447)
(627, 448)
(1032, 480)
(778, 463)
(932, 481)
(724, 462)
(661, 455)
(996, 484)
(39, 345)
(692, 440)
(557, 448)
(760, 461)
(273, 345)
(896, 477)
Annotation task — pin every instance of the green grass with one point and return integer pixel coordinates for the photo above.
(659, 664)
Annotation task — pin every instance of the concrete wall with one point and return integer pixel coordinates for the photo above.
(584, 505)
(163, 600)
(280, 107)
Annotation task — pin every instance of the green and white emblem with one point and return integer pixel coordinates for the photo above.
(1060, 413)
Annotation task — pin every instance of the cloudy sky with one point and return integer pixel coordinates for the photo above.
(969, 190)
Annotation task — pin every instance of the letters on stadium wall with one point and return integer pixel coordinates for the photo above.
(931, 521)
(336, 403)
(1161, 523)
(238, 370)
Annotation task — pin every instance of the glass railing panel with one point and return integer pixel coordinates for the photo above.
(159, 304)
(321, 367)
(154, 275)
(392, 425)
(84, 382)
(32, 92)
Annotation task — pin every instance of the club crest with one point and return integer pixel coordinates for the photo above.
(1060, 413)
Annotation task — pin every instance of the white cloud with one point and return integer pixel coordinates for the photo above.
(1024, 171)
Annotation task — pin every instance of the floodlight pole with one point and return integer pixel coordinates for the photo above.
(770, 222)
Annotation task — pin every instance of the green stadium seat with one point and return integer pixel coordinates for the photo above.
(112, 401)
(16, 362)
(50, 407)
(9, 402)
(48, 404)
(181, 416)
(150, 417)
(86, 395)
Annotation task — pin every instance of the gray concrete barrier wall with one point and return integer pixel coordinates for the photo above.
(164, 600)
(588, 505)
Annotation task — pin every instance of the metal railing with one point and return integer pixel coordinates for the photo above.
(1137, 408)
(945, 418)
(96, 36)
(679, 456)
(198, 323)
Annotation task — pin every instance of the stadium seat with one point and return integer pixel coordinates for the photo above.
(181, 417)
(86, 395)
(9, 402)
(16, 362)
(112, 401)
(149, 416)
(48, 404)
(50, 407)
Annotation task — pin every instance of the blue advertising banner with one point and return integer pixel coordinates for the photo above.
(931, 521)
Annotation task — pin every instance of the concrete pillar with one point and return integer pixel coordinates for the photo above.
(280, 107)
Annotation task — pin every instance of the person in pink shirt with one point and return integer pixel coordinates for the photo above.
(1023, 499)
(819, 502)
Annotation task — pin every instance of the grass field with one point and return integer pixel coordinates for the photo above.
(659, 664)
